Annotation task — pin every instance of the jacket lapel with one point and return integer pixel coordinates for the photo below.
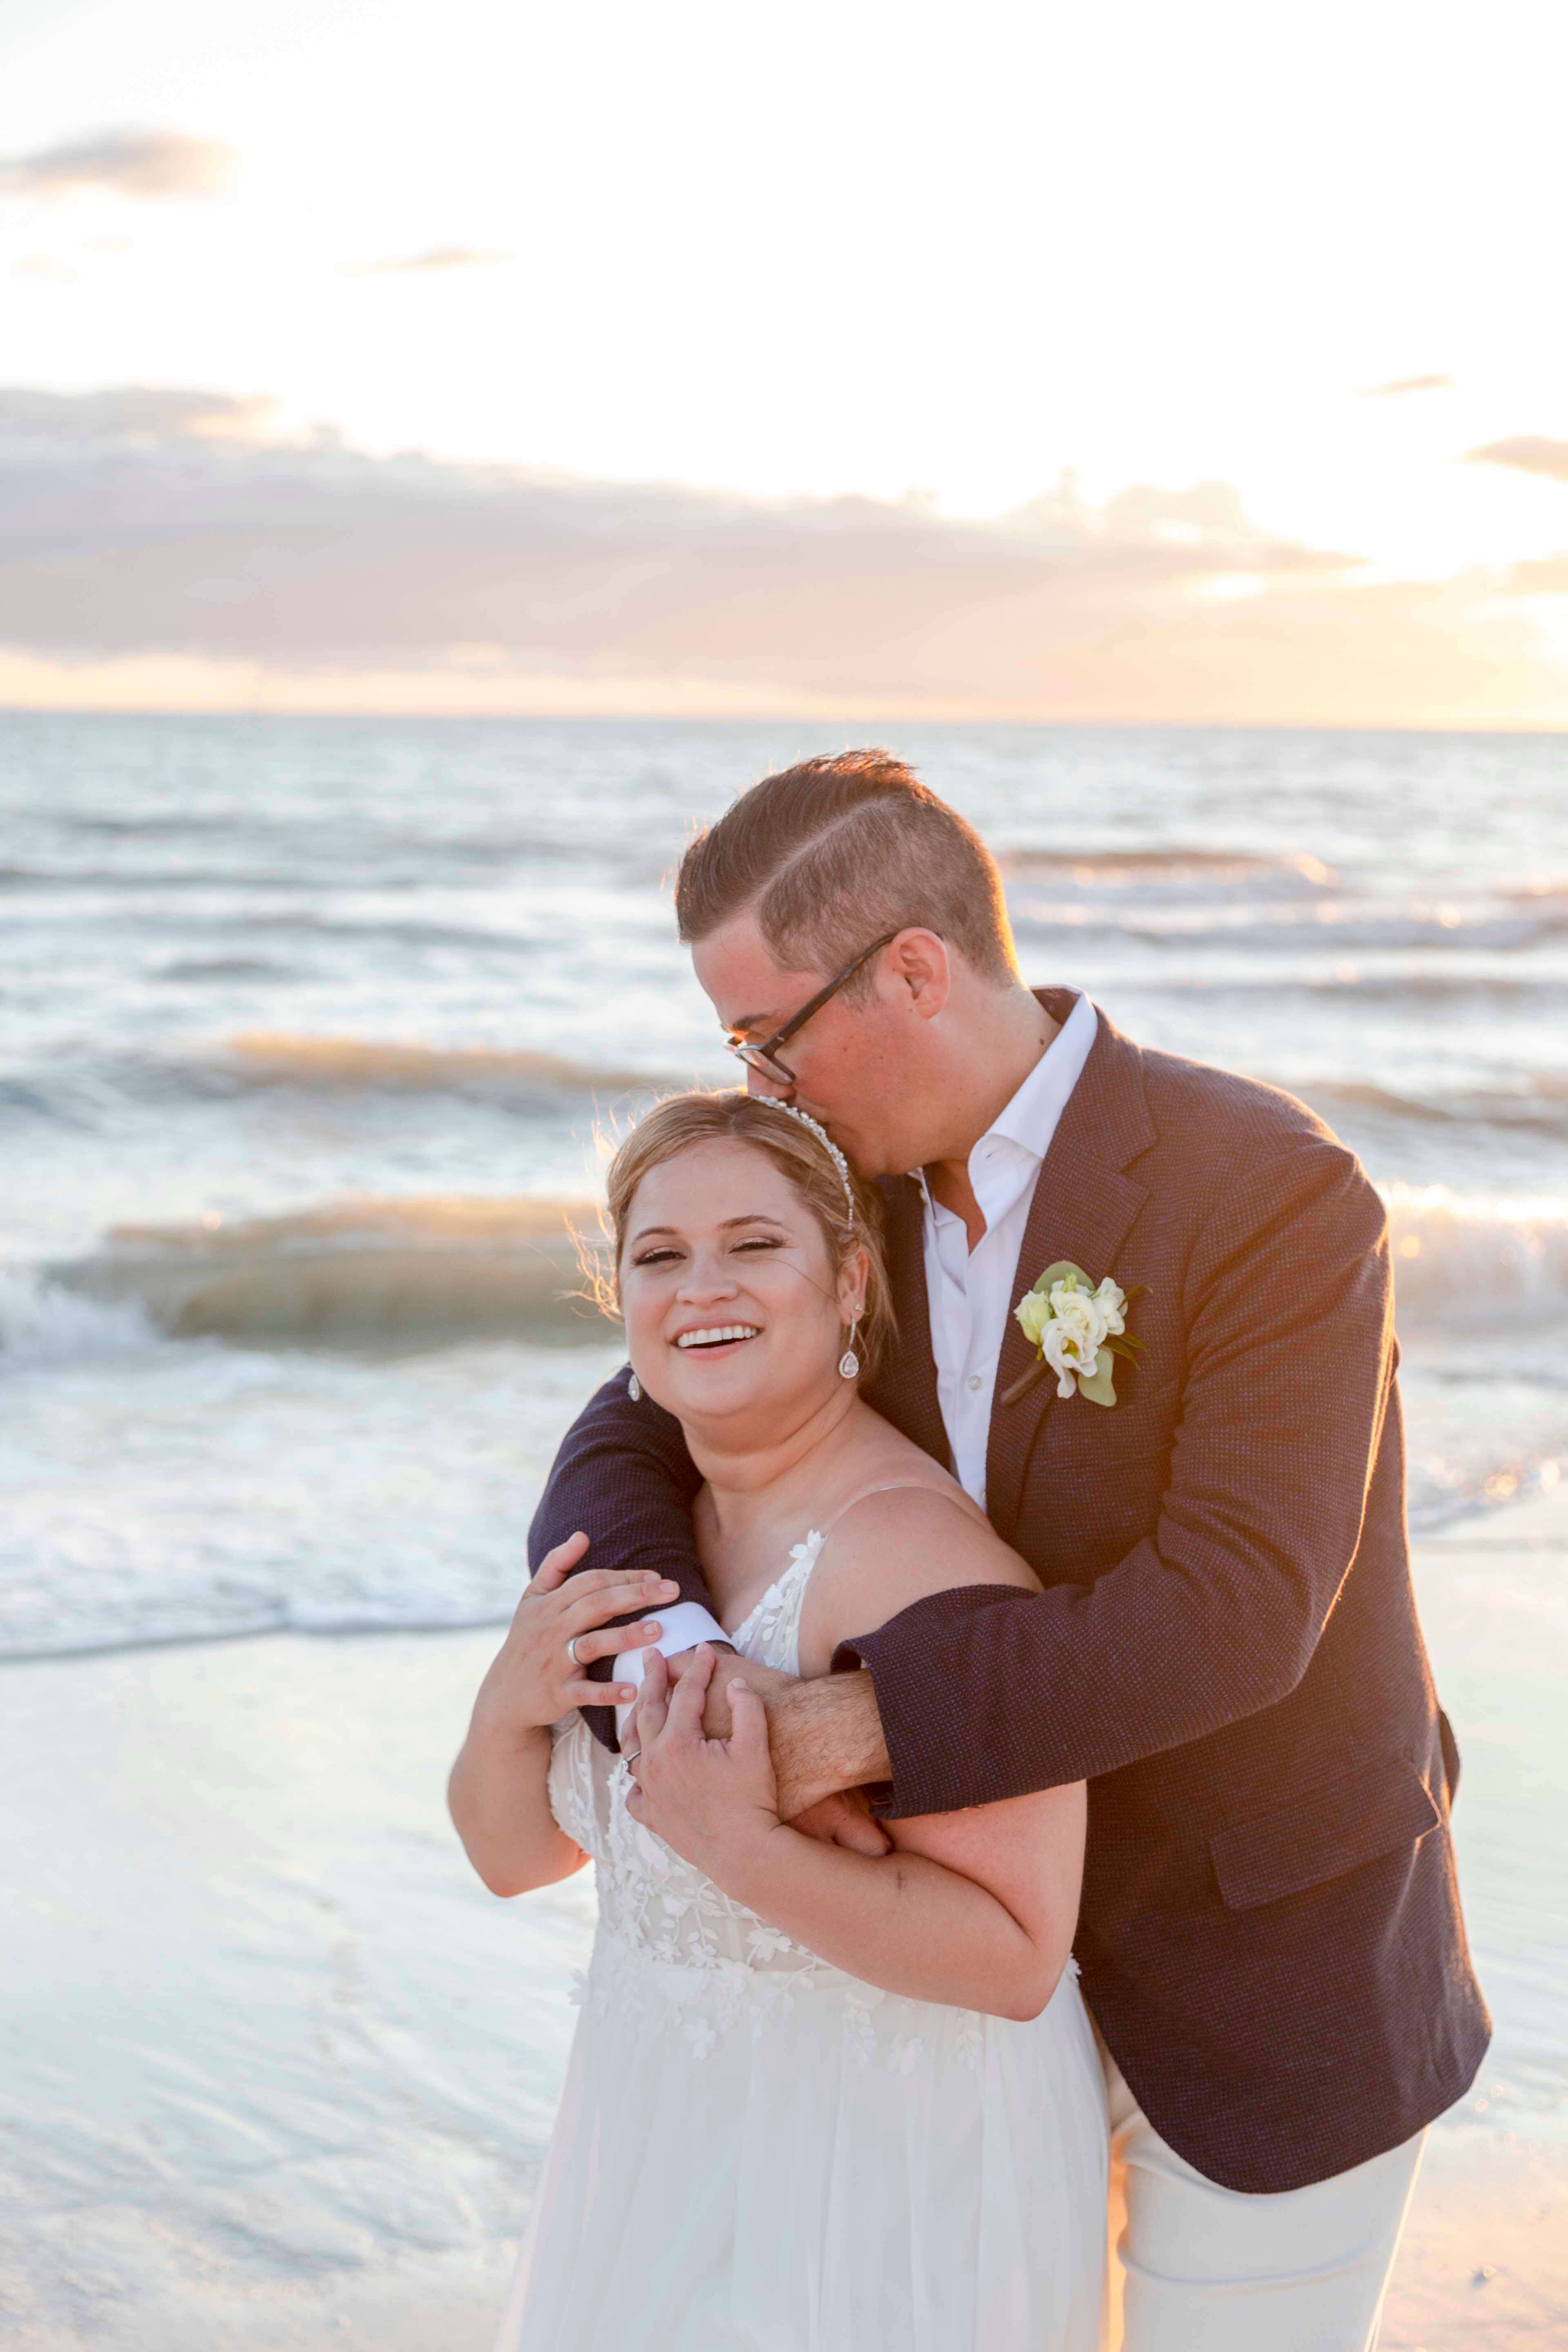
(905, 1390)
(1082, 1210)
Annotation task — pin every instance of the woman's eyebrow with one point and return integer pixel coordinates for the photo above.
(726, 1224)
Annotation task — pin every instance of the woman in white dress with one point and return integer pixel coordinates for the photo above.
(818, 2102)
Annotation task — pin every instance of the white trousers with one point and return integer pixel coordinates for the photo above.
(1197, 2268)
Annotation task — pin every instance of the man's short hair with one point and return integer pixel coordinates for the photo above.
(830, 853)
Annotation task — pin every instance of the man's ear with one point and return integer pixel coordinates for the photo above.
(918, 963)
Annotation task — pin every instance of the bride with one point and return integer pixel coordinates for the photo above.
(818, 2102)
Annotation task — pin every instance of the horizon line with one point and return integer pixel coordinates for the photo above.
(786, 717)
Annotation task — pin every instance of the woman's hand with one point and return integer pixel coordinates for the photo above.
(534, 1679)
(714, 1801)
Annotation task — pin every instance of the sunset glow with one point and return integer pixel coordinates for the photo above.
(1132, 366)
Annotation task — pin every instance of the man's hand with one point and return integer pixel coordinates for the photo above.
(846, 1818)
(836, 1813)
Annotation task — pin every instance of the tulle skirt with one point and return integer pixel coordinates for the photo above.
(843, 2175)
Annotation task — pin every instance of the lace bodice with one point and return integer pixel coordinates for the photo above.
(672, 1947)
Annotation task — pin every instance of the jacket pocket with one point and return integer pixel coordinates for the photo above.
(1322, 1833)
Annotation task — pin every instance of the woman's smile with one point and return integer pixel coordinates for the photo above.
(717, 1338)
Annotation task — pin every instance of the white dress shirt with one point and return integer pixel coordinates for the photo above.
(970, 1290)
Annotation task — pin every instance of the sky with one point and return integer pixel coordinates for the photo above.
(1201, 364)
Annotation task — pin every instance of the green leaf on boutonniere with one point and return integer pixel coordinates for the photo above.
(1098, 1388)
(1064, 1270)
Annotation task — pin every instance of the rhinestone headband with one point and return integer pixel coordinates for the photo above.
(827, 1142)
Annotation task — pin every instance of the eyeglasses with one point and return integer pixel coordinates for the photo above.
(763, 1057)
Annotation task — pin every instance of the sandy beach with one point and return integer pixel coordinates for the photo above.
(278, 2072)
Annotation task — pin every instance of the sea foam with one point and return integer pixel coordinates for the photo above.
(45, 1322)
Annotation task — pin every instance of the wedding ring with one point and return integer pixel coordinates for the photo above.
(629, 1760)
(572, 1648)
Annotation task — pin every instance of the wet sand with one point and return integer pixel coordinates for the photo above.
(275, 2071)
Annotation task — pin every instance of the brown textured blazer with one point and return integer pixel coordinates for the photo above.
(1226, 1647)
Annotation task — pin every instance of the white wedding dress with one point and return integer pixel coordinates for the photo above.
(757, 2153)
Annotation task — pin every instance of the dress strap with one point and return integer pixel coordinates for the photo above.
(775, 1621)
(886, 1486)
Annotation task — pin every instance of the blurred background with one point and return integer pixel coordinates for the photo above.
(310, 1027)
(441, 463)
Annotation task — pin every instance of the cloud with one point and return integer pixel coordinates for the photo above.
(140, 163)
(131, 413)
(1401, 384)
(128, 525)
(148, 527)
(1527, 453)
(48, 268)
(440, 256)
(1543, 575)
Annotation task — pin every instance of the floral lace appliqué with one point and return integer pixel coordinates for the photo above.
(674, 1952)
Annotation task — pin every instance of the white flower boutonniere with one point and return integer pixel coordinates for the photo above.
(1078, 1327)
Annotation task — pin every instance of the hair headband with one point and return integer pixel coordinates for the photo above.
(827, 1142)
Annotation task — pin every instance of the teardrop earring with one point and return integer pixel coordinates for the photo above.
(634, 1389)
(849, 1362)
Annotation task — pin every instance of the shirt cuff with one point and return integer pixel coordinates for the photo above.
(684, 1626)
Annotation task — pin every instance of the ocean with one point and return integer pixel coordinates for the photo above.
(311, 1035)
(310, 1027)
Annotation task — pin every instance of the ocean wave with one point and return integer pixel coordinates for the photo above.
(96, 1624)
(150, 822)
(1328, 924)
(198, 1627)
(1092, 867)
(401, 931)
(188, 968)
(1539, 1108)
(84, 1089)
(132, 880)
(266, 1058)
(46, 1322)
(1451, 1253)
(1335, 1094)
(431, 1270)
(1541, 992)
(287, 898)
(355, 1273)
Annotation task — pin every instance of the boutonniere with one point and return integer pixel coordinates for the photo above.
(1077, 1329)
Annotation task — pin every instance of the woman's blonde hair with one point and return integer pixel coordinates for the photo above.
(678, 1122)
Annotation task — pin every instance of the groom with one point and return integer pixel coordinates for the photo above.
(1226, 1646)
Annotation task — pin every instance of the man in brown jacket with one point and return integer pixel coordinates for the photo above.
(1226, 1646)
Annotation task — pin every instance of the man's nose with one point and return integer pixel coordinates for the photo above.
(759, 1083)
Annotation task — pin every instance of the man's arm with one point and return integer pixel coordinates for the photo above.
(625, 1477)
(1289, 1366)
